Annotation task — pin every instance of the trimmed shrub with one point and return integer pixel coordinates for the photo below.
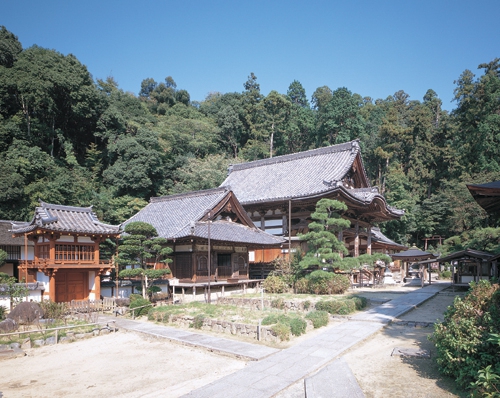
(140, 302)
(342, 306)
(318, 318)
(463, 342)
(323, 282)
(445, 275)
(297, 326)
(275, 284)
(3, 312)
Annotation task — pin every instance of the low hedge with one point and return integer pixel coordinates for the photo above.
(343, 306)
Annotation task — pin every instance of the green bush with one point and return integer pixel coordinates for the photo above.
(198, 321)
(278, 303)
(52, 310)
(343, 306)
(302, 286)
(134, 297)
(140, 302)
(318, 318)
(462, 339)
(323, 282)
(445, 275)
(297, 326)
(359, 301)
(3, 312)
(307, 304)
(275, 284)
(282, 330)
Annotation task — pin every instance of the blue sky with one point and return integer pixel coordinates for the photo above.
(374, 48)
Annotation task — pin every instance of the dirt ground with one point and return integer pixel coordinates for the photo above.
(130, 365)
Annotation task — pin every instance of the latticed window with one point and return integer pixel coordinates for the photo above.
(13, 252)
(75, 252)
(43, 251)
(202, 263)
(183, 266)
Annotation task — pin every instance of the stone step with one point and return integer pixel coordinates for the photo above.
(333, 381)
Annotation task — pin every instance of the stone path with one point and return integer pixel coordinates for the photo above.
(237, 349)
(273, 371)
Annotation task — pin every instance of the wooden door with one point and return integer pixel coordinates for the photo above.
(71, 285)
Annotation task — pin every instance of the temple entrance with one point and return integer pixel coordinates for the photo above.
(71, 285)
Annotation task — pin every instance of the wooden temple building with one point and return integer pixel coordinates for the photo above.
(209, 230)
(65, 241)
(280, 193)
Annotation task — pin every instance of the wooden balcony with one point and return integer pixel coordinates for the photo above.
(49, 263)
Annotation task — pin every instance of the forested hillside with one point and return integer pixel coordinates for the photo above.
(67, 138)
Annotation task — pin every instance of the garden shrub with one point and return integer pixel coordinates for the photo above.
(282, 330)
(275, 284)
(323, 282)
(297, 326)
(134, 297)
(198, 321)
(302, 286)
(306, 304)
(445, 275)
(462, 340)
(52, 310)
(3, 312)
(343, 306)
(278, 303)
(140, 302)
(318, 318)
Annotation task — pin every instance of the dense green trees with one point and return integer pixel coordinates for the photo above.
(69, 139)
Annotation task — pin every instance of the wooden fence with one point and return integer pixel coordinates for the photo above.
(86, 306)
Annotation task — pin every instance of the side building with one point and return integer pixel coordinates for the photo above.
(280, 193)
(211, 236)
(65, 241)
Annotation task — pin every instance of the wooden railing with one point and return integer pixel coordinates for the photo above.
(86, 306)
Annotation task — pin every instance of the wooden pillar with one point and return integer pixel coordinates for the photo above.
(96, 251)
(356, 239)
(52, 286)
(369, 240)
(97, 285)
(52, 248)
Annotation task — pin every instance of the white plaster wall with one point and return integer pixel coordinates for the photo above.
(42, 278)
(85, 239)
(31, 253)
(66, 238)
(92, 295)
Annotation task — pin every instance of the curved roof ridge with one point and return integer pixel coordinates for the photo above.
(190, 194)
(46, 205)
(351, 145)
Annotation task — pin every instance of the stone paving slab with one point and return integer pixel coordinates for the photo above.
(333, 381)
(238, 349)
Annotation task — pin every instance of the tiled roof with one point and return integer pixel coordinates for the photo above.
(6, 238)
(297, 175)
(378, 236)
(60, 218)
(179, 216)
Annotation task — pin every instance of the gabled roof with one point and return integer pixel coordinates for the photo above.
(184, 215)
(65, 219)
(466, 254)
(292, 176)
(306, 175)
(413, 254)
(6, 238)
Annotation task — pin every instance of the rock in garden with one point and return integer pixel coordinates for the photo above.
(26, 313)
(8, 325)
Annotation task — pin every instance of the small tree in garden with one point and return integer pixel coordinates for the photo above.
(142, 250)
(324, 247)
(11, 289)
